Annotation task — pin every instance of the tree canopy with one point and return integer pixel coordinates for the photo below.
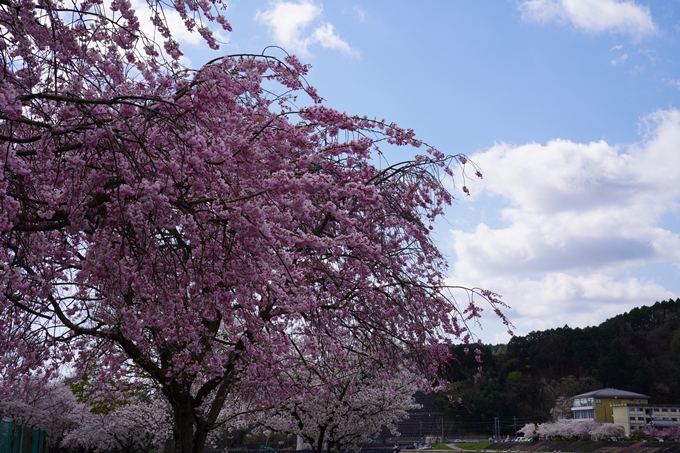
(192, 227)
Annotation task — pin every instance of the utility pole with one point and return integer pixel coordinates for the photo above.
(442, 438)
(496, 429)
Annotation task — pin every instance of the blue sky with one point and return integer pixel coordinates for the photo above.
(570, 107)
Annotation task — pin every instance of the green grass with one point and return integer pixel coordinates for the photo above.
(441, 447)
(474, 446)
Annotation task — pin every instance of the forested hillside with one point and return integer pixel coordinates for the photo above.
(637, 351)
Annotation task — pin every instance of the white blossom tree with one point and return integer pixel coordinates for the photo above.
(135, 427)
(562, 409)
(570, 428)
(605, 431)
(336, 407)
(529, 430)
(51, 407)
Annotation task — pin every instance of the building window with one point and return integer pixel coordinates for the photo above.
(583, 402)
(641, 418)
(674, 410)
(584, 415)
(664, 410)
(598, 401)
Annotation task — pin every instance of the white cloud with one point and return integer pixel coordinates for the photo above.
(594, 16)
(360, 13)
(288, 21)
(673, 82)
(637, 70)
(561, 298)
(619, 60)
(326, 36)
(580, 219)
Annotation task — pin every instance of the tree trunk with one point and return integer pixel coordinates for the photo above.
(183, 427)
(200, 435)
(191, 423)
(317, 447)
(190, 427)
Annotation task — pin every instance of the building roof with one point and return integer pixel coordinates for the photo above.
(663, 423)
(610, 393)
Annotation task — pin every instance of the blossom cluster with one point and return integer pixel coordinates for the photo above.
(134, 425)
(671, 433)
(338, 408)
(571, 428)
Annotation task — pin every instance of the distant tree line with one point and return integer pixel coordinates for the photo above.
(532, 377)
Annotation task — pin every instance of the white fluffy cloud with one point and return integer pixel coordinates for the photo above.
(288, 22)
(580, 219)
(592, 15)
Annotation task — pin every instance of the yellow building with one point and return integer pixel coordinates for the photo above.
(599, 405)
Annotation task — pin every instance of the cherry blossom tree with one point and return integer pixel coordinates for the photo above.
(51, 407)
(571, 428)
(188, 227)
(337, 408)
(529, 430)
(606, 431)
(131, 426)
(134, 427)
(562, 408)
(671, 433)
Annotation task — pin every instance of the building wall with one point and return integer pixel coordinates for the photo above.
(604, 408)
(601, 409)
(637, 416)
(622, 418)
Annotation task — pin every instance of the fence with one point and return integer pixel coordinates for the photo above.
(18, 438)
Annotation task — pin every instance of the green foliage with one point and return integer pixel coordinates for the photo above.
(514, 381)
(474, 445)
(87, 391)
(638, 434)
(480, 394)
